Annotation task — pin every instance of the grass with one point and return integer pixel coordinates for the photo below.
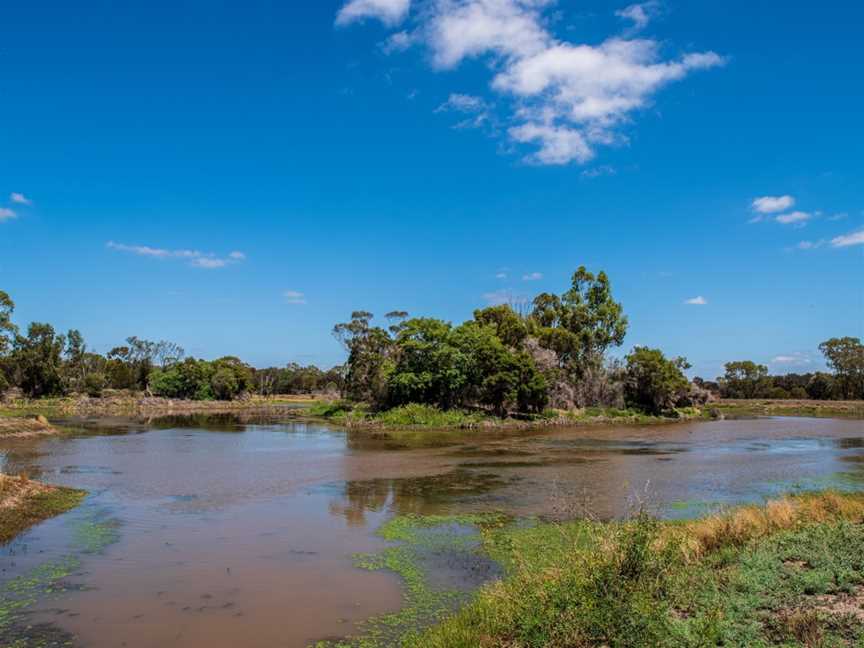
(792, 407)
(790, 573)
(417, 416)
(24, 502)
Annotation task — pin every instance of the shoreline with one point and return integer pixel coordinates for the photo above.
(25, 503)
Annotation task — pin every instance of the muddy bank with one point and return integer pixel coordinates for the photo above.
(21, 426)
(24, 502)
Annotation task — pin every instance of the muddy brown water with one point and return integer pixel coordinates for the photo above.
(232, 532)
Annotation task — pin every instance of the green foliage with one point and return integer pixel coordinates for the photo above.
(653, 383)
(222, 379)
(745, 379)
(427, 416)
(581, 324)
(637, 585)
(846, 357)
(38, 362)
(94, 383)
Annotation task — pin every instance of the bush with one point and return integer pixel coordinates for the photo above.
(426, 416)
(94, 383)
(653, 383)
(223, 384)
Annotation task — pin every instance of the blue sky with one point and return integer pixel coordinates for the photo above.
(237, 177)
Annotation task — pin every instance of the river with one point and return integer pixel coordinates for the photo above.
(222, 532)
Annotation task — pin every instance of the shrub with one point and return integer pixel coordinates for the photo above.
(223, 384)
(653, 383)
(94, 383)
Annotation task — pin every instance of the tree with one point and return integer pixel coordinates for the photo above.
(820, 386)
(37, 358)
(8, 330)
(581, 324)
(653, 383)
(846, 357)
(506, 324)
(745, 379)
(369, 349)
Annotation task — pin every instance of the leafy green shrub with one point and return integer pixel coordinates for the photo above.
(94, 383)
(331, 409)
(415, 414)
(223, 384)
(653, 383)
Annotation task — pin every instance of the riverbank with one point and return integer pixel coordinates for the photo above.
(25, 426)
(789, 573)
(419, 417)
(145, 406)
(799, 407)
(24, 502)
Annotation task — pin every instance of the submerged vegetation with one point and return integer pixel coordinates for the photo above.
(789, 573)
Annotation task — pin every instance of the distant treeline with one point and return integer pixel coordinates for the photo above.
(507, 359)
(43, 363)
(746, 379)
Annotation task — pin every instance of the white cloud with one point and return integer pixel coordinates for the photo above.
(19, 198)
(500, 275)
(641, 14)
(498, 297)
(566, 98)
(476, 107)
(389, 12)
(810, 245)
(294, 297)
(796, 359)
(696, 301)
(846, 240)
(794, 218)
(532, 276)
(205, 260)
(7, 214)
(771, 204)
(596, 172)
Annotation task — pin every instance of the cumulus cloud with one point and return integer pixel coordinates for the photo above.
(772, 204)
(565, 98)
(389, 12)
(196, 259)
(7, 214)
(294, 297)
(696, 301)
(640, 14)
(532, 276)
(846, 240)
(19, 198)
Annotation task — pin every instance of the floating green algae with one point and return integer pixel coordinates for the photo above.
(441, 561)
(91, 533)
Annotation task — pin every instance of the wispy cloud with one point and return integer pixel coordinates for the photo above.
(696, 301)
(772, 204)
(7, 214)
(798, 218)
(500, 275)
(846, 240)
(498, 297)
(196, 259)
(640, 14)
(810, 245)
(564, 99)
(532, 276)
(390, 12)
(478, 111)
(796, 359)
(19, 198)
(597, 172)
(294, 297)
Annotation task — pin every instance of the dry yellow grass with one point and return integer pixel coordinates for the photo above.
(753, 522)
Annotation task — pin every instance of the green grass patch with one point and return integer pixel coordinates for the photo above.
(787, 574)
(35, 509)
